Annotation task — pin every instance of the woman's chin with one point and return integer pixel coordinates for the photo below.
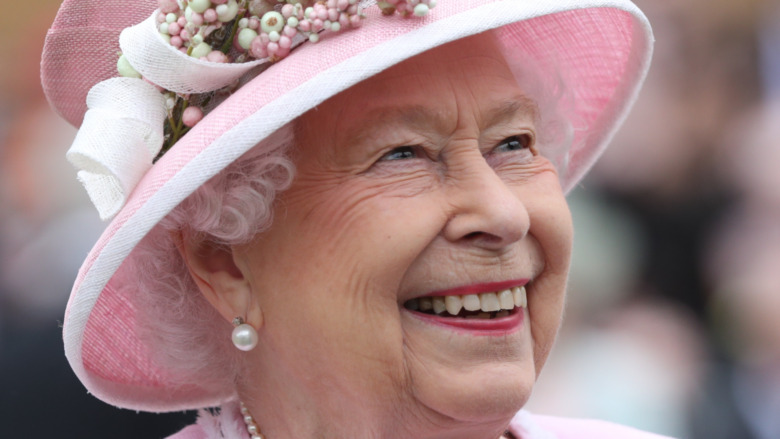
(469, 377)
(489, 394)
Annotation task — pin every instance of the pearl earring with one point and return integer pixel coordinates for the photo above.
(244, 335)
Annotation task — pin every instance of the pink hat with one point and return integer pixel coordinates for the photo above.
(602, 49)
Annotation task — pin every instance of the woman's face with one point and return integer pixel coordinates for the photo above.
(420, 181)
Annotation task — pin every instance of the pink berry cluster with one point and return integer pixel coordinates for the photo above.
(214, 30)
(198, 27)
(272, 34)
(419, 8)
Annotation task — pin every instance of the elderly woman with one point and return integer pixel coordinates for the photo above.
(365, 237)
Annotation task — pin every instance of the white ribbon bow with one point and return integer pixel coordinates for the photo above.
(122, 131)
(121, 135)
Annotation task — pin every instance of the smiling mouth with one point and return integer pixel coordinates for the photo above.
(484, 306)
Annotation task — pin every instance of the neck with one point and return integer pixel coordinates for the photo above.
(357, 422)
(285, 406)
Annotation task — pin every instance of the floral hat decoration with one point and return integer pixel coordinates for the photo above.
(167, 93)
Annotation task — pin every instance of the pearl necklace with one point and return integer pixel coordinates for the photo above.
(251, 426)
(254, 430)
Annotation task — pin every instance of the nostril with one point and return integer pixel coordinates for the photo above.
(482, 238)
(472, 236)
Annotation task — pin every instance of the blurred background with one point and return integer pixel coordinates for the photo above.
(672, 323)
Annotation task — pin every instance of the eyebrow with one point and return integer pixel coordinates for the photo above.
(511, 108)
(427, 117)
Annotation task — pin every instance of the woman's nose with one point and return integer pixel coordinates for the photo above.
(486, 212)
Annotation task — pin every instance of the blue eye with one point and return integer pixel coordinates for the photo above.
(515, 143)
(400, 153)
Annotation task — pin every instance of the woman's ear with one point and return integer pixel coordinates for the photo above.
(215, 272)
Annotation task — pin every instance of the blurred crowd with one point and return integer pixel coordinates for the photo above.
(671, 323)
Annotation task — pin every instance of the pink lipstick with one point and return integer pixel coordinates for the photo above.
(491, 308)
(494, 327)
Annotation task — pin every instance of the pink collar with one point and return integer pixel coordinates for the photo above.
(523, 426)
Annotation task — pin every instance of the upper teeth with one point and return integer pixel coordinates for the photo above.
(486, 302)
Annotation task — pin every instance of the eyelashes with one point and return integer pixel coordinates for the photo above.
(514, 143)
(402, 153)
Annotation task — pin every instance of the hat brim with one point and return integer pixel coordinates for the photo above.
(602, 47)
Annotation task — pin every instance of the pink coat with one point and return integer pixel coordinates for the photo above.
(229, 425)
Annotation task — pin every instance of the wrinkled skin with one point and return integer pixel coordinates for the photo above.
(405, 185)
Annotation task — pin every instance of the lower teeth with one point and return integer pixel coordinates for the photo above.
(475, 315)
